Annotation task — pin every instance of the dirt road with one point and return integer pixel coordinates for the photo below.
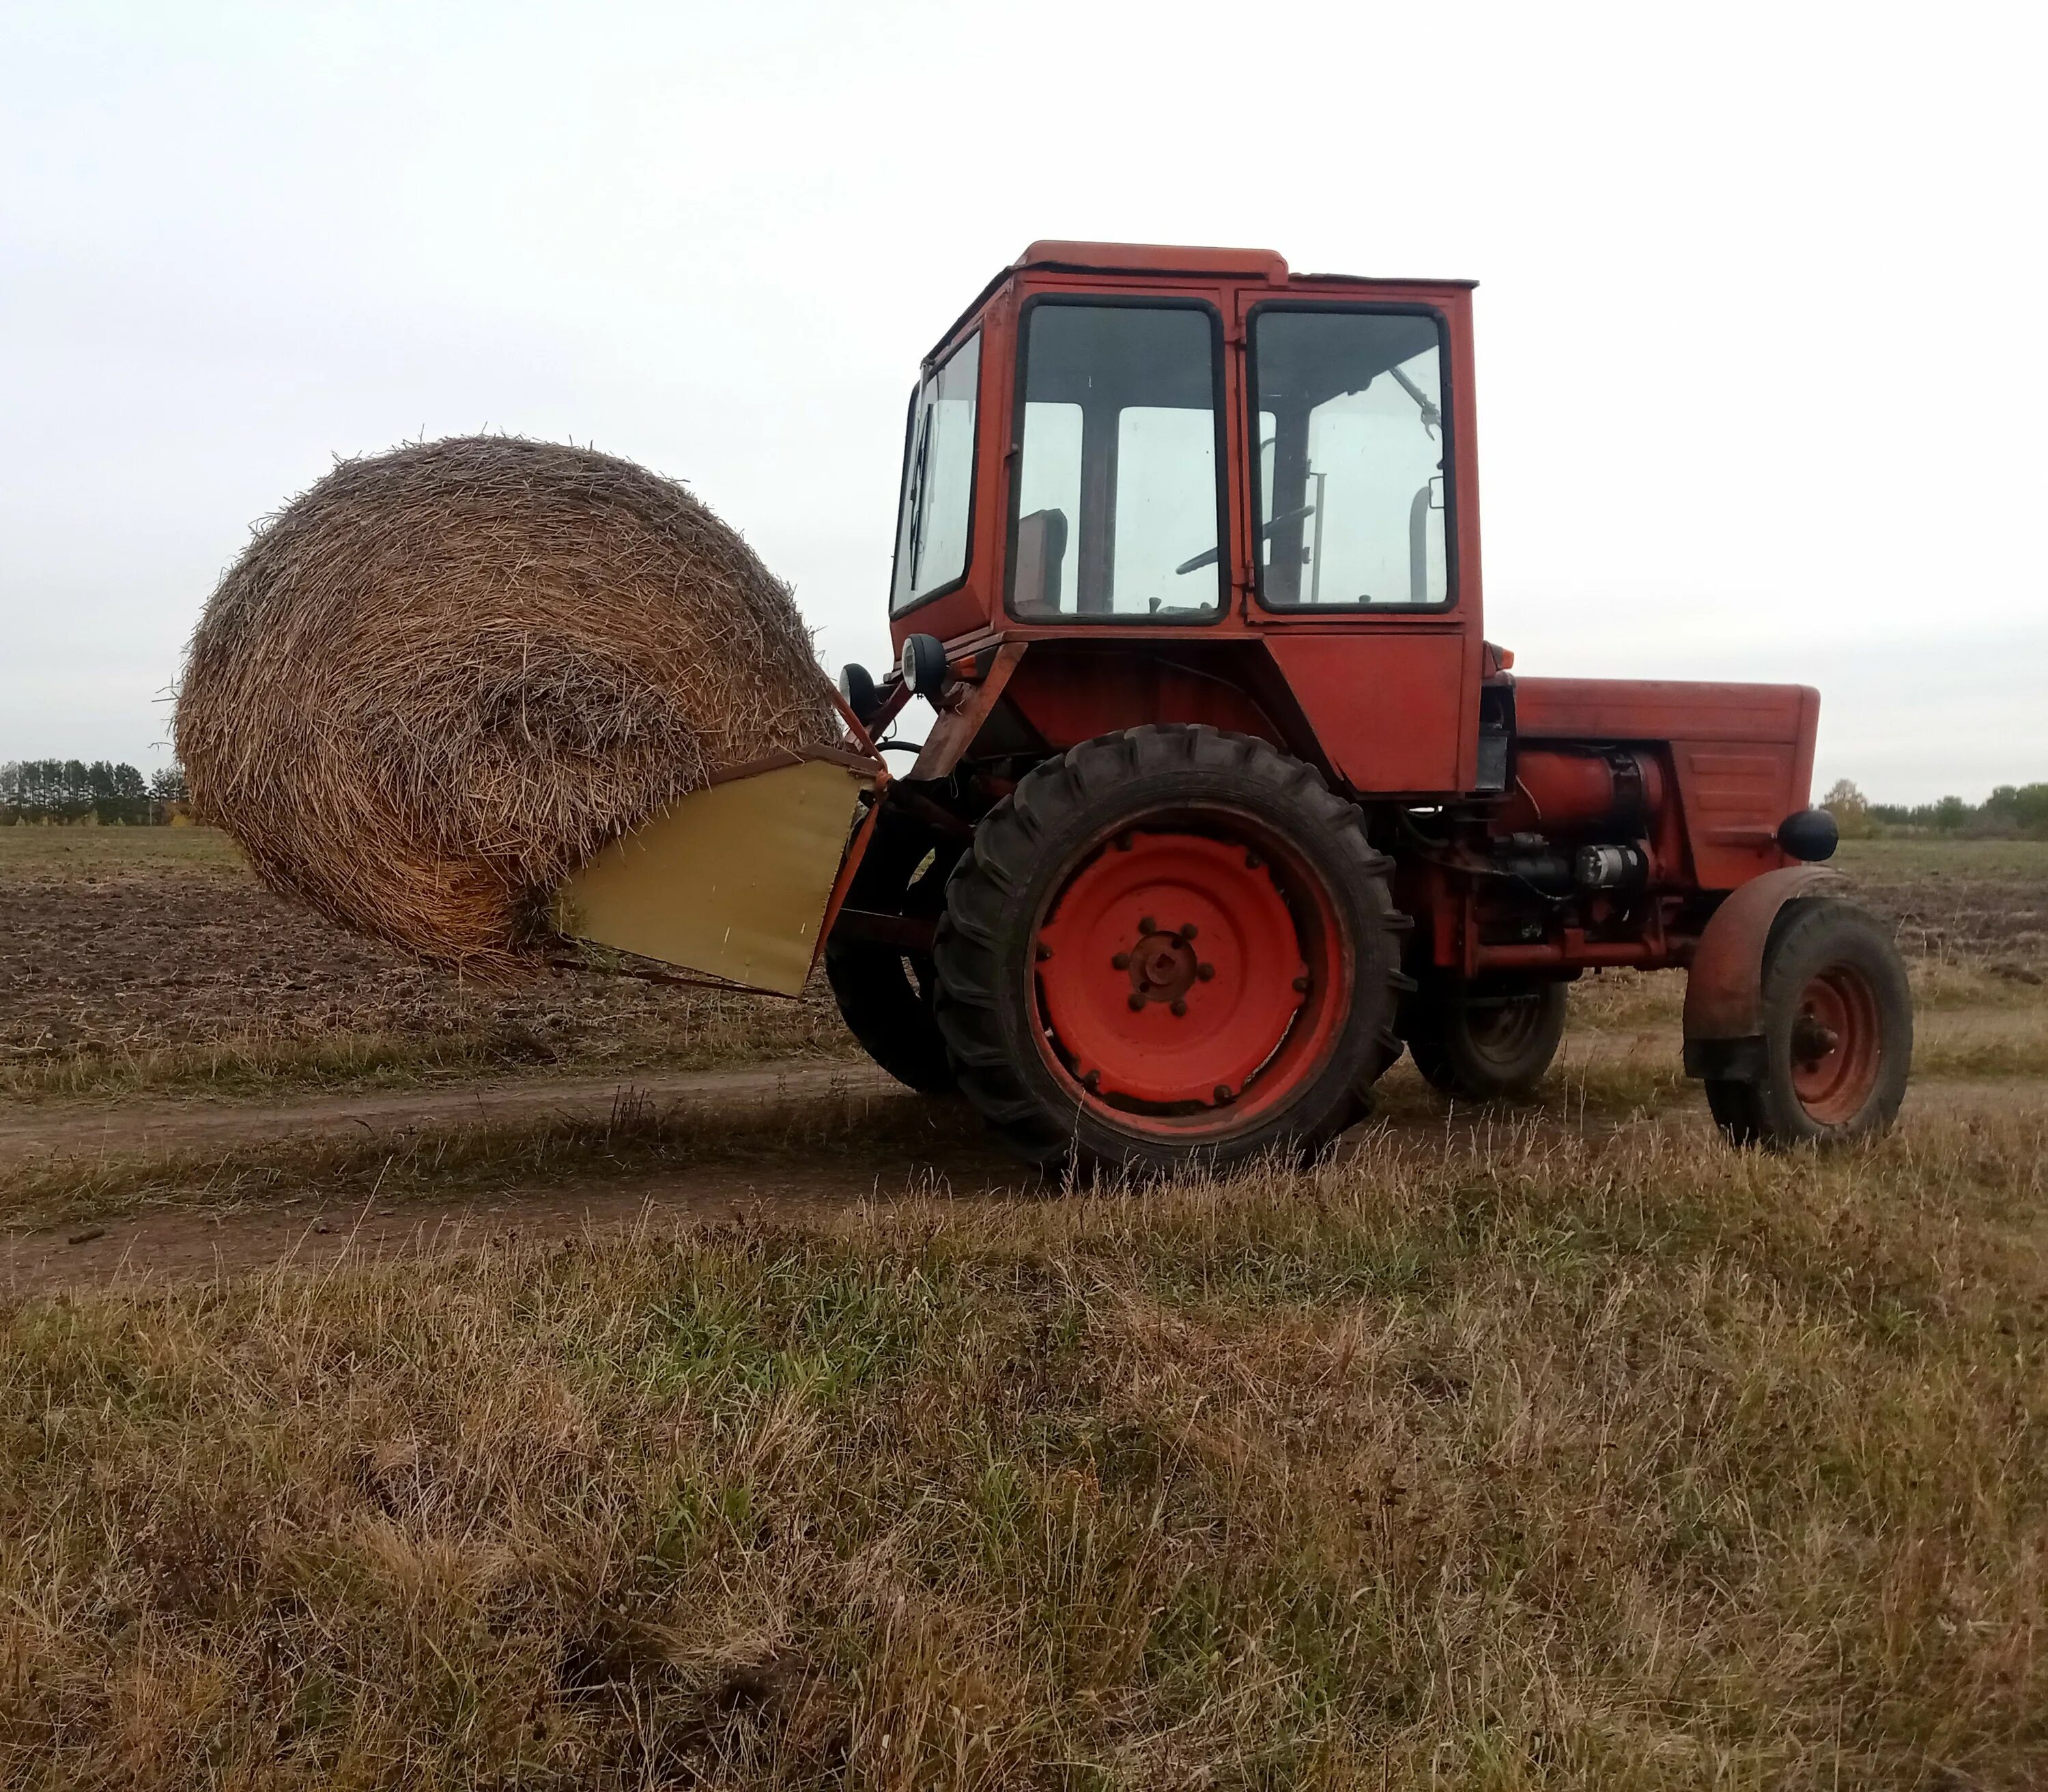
(814, 1188)
(90, 1129)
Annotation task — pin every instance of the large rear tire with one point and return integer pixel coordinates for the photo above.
(1485, 1041)
(884, 993)
(1837, 1044)
(1169, 945)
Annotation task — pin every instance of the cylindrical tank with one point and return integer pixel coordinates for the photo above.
(1573, 790)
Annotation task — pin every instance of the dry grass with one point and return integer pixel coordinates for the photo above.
(1547, 1455)
(1545, 1461)
(441, 678)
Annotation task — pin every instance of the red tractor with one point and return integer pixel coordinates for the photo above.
(1229, 799)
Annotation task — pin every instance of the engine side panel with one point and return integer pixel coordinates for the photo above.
(1742, 755)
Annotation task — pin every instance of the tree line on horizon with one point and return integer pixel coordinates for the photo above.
(111, 793)
(2011, 811)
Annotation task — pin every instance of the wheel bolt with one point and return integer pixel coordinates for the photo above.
(1300, 985)
(1120, 962)
(1222, 1092)
(1180, 1005)
(1187, 931)
(1148, 926)
(1205, 971)
(1092, 1081)
(1122, 843)
(1252, 861)
(1137, 1001)
(1043, 953)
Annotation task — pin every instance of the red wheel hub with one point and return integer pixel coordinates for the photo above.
(1171, 971)
(1836, 1045)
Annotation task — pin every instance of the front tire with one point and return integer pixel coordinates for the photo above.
(1837, 1044)
(1169, 945)
(884, 992)
(1485, 1041)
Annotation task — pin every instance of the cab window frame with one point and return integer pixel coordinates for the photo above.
(975, 336)
(1219, 405)
(1445, 405)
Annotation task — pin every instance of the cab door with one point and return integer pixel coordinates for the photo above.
(1352, 502)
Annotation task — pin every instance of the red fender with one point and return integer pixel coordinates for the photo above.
(1724, 988)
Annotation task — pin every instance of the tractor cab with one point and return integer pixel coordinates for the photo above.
(1268, 477)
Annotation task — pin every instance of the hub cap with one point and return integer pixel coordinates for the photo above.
(1500, 1030)
(1175, 979)
(1835, 1044)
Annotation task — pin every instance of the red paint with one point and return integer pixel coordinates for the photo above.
(1564, 791)
(1836, 1045)
(856, 850)
(1263, 1021)
(1382, 702)
(1169, 969)
(1066, 695)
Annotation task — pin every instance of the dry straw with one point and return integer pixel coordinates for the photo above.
(441, 678)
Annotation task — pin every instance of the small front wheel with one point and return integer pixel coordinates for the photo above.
(1837, 1043)
(884, 991)
(1484, 1042)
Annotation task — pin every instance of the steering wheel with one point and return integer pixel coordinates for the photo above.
(1207, 556)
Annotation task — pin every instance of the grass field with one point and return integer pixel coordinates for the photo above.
(1556, 1447)
(1544, 1461)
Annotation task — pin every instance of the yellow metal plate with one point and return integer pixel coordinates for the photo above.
(731, 881)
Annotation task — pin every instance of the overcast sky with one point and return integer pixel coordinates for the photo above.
(1761, 373)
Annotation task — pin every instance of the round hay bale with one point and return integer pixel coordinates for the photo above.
(439, 680)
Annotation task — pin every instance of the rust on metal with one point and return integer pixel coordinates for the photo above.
(955, 728)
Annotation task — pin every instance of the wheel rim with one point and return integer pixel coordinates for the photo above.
(1189, 977)
(1836, 1045)
(1502, 1031)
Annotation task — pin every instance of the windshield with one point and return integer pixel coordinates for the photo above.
(1351, 462)
(938, 479)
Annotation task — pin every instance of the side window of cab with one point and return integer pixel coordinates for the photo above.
(935, 515)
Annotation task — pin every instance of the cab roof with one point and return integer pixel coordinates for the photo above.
(1172, 258)
(1066, 255)
(1150, 258)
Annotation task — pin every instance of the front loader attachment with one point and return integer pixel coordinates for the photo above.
(735, 880)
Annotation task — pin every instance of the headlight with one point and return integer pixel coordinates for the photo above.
(924, 664)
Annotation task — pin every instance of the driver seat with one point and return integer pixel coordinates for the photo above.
(1042, 550)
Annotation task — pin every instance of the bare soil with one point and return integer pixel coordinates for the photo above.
(1982, 900)
(188, 971)
(117, 943)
